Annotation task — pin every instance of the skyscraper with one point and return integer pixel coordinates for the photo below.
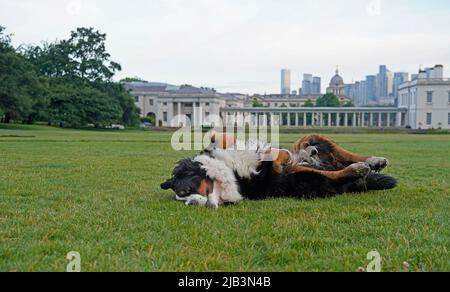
(316, 85)
(399, 78)
(285, 81)
(382, 86)
(307, 84)
(371, 88)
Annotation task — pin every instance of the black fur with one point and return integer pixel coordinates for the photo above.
(186, 178)
(269, 184)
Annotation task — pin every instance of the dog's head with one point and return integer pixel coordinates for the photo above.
(189, 178)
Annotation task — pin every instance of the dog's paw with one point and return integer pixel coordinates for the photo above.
(212, 205)
(361, 169)
(377, 163)
(196, 200)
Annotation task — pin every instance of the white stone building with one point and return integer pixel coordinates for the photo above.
(426, 100)
(164, 102)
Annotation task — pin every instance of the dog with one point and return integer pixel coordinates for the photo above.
(315, 168)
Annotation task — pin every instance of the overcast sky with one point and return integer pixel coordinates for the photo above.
(241, 45)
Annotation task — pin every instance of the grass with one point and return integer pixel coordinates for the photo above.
(98, 193)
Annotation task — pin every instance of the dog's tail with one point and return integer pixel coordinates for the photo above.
(373, 182)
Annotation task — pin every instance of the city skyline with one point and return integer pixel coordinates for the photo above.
(243, 47)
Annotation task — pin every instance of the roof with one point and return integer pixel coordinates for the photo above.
(337, 80)
(157, 87)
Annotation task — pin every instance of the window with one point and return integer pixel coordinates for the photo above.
(449, 97)
(429, 119)
(430, 97)
(136, 98)
(165, 117)
(151, 102)
(207, 104)
(197, 104)
(164, 103)
(206, 114)
(449, 118)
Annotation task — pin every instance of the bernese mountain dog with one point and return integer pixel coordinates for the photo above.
(229, 171)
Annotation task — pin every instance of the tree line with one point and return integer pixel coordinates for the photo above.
(68, 83)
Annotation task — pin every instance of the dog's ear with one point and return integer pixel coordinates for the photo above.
(167, 185)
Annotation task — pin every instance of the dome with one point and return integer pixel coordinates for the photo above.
(337, 80)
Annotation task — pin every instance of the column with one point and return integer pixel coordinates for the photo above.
(388, 120)
(321, 119)
(179, 114)
(354, 120)
(346, 120)
(305, 116)
(371, 120)
(296, 119)
(157, 114)
(399, 119)
(329, 120)
(380, 120)
(361, 120)
(289, 119)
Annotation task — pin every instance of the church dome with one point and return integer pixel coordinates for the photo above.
(337, 80)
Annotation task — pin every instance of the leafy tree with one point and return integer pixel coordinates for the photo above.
(20, 85)
(130, 113)
(349, 104)
(309, 103)
(75, 106)
(257, 103)
(88, 53)
(328, 100)
(132, 79)
(82, 63)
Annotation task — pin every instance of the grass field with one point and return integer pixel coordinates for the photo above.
(98, 193)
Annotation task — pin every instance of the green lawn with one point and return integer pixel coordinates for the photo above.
(98, 193)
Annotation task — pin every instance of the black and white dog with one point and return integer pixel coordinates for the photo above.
(222, 174)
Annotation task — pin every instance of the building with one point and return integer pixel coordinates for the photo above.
(371, 89)
(382, 86)
(316, 85)
(426, 100)
(285, 82)
(337, 85)
(307, 84)
(399, 78)
(164, 102)
(281, 101)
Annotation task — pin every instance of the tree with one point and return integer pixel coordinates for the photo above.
(20, 85)
(75, 106)
(88, 52)
(328, 100)
(257, 103)
(82, 63)
(309, 103)
(132, 79)
(349, 104)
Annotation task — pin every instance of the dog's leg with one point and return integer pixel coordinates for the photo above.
(352, 172)
(214, 197)
(331, 151)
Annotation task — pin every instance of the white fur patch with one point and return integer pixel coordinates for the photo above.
(243, 157)
(225, 184)
(193, 200)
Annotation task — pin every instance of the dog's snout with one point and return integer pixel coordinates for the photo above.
(314, 151)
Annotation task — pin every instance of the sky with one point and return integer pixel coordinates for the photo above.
(242, 45)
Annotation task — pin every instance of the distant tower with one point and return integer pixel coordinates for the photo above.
(337, 86)
(285, 82)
